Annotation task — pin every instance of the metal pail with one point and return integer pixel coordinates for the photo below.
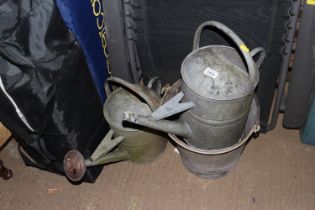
(216, 163)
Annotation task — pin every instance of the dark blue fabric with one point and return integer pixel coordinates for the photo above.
(80, 19)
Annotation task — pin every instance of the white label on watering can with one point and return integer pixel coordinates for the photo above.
(211, 73)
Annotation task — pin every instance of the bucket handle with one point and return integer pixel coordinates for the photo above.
(253, 74)
(131, 87)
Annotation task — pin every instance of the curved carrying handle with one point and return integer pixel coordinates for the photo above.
(261, 57)
(158, 85)
(253, 74)
(135, 89)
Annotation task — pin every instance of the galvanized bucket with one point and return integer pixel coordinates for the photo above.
(216, 163)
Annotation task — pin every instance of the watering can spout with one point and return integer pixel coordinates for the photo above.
(167, 126)
(154, 121)
(75, 165)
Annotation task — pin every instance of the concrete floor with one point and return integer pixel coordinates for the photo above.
(276, 171)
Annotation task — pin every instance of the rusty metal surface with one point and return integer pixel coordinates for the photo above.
(169, 91)
(74, 165)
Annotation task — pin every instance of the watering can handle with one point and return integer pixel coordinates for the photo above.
(261, 57)
(136, 90)
(158, 85)
(253, 74)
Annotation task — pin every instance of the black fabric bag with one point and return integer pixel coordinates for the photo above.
(47, 97)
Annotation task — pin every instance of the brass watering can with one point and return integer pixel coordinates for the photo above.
(122, 142)
(218, 84)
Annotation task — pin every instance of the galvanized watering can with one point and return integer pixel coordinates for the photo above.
(137, 144)
(217, 90)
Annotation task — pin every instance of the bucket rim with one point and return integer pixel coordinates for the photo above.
(255, 128)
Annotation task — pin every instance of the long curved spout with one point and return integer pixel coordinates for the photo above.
(167, 126)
